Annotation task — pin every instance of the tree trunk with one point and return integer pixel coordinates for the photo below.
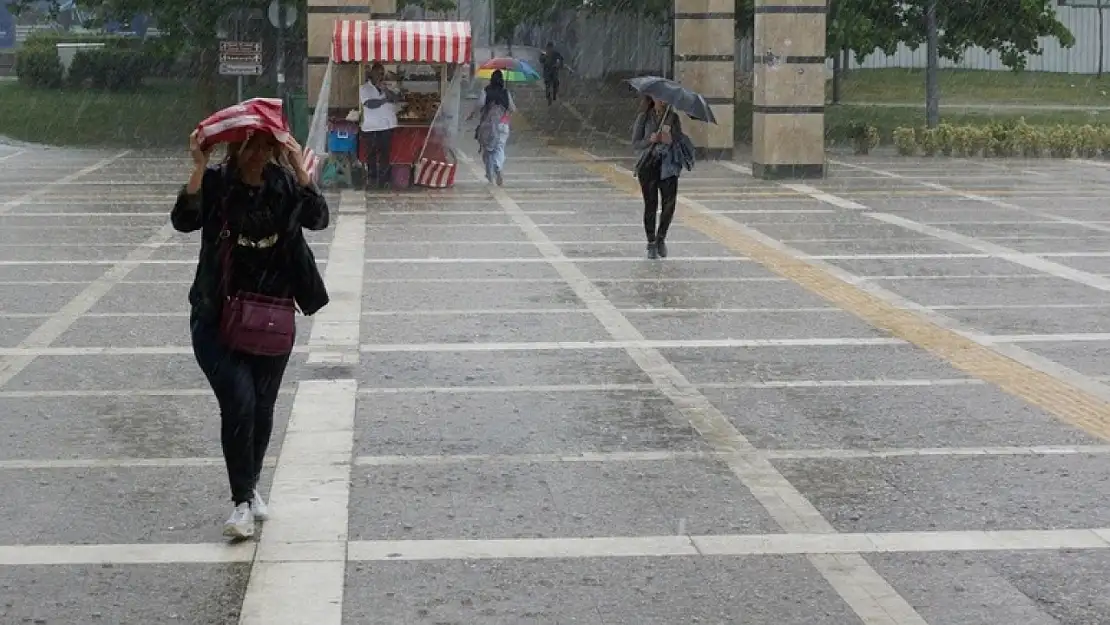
(1101, 38)
(838, 68)
(932, 86)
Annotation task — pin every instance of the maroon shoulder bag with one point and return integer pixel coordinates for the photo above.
(252, 323)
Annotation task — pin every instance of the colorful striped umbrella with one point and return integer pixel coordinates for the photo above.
(514, 70)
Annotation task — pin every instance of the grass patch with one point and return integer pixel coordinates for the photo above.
(974, 87)
(839, 119)
(161, 114)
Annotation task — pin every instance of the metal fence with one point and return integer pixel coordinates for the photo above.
(1082, 58)
(596, 45)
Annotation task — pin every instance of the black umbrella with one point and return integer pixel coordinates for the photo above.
(678, 97)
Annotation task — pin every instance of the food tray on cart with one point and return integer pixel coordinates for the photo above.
(418, 107)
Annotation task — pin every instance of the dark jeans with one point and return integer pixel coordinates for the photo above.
(652, 188)
(380, 143)
(246, 388)
(551, 86)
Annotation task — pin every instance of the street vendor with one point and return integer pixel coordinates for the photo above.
(379, 119)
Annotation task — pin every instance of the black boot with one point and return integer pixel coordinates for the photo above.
(661, 248)
(652, 252)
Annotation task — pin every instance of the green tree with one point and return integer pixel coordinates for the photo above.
(187, 25)
(1012, 28)
(193, 25)
(510, 14)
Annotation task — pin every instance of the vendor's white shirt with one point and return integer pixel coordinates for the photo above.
(382, 118)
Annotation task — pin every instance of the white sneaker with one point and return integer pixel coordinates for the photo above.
(258, 506)
(241, 522)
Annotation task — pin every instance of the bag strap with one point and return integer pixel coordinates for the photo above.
(227, 241)
(224, 255)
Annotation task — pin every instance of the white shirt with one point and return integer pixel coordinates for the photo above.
(382, 118)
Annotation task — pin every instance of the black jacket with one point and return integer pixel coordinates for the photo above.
(299, 207)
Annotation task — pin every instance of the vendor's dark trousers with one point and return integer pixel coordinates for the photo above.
(379, 143)
(653, 188)
(246, 388)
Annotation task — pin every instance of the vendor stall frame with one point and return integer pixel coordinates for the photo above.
(442, 45)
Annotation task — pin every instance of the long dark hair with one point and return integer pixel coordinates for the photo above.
(496, 93)
(673, 119)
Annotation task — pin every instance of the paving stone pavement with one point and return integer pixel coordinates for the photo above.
(876, 398)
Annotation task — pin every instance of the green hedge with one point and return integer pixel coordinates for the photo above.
(38, 66)
(1005, 139)
(157, 55)
(113, 69)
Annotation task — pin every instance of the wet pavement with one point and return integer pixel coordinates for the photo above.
(877, 398)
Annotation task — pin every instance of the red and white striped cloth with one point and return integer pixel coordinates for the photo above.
(360, 41)
(311, 162)
(435, 174)
(237, 123)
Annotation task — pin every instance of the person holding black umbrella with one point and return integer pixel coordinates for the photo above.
(664, 151)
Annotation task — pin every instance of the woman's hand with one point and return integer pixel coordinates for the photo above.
(654, 137)
(665, 138)
(294, 154)
(200, 157)
(200, 164)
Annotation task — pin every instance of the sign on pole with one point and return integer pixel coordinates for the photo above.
(240, 58)
(278, 10)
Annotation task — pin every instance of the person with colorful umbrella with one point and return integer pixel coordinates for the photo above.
(496, 106)
(512, 70)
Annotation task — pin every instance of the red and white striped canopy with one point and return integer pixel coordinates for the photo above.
(360, 41)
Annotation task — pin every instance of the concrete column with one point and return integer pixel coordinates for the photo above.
(788, 112)
(704, 61)
(322, 15)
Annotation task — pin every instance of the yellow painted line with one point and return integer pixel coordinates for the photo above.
(1067, 402)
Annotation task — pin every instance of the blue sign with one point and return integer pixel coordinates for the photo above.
(7, 26)
(136, 26)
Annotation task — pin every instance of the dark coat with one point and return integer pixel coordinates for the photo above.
(299, 207)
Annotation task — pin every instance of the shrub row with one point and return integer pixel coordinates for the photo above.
(106, 68)
(122, 63)
(1017, 138)
(38, 66)
(111, 68)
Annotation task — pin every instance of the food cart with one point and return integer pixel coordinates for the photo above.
(430, 59)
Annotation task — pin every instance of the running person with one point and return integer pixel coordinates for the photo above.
(552, 63)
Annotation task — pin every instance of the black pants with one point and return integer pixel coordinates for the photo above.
(380, 143)
(246, 388)
(551, 86)
(652, 188)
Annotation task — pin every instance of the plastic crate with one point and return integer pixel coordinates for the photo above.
(342, 141)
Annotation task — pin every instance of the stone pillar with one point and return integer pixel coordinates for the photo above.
(705, 61)
(322, 15)
(788, 99)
